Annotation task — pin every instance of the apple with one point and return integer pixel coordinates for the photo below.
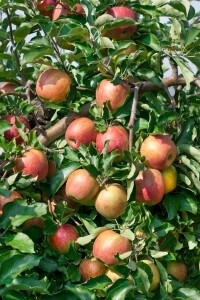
(79, 9)
(117, 137)
(51, 168)
(53, 85)
(8, 87)
(82, 187)
(90, 268)
(34, 222)
(80, 132)
(170, 179)
(149, 187)
(32, 162)
(156, 275)
(61, 9)
(109, 243)
(115, 94)
(178, 270)
(114, 275)
(159, 151)
(3, 200)
(122, 32)
(12, 133)
(111, 201)
(61, 196)
(60, 240)
(45, 7)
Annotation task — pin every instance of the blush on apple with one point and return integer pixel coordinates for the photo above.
(3, 200)
(8, 87)
(53, 85)
(34, 222)
(90, 268)
(63, 9)
(45, 7)
(80, 132)
(177, 269)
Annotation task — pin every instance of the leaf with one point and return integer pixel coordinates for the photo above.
(97, 283)
(190, 150)
(35, 53)
(119, 290)
(185, 70)
(4, 125)
(21, 242)
(28, 284)
(150, 40)
(188, 294)
(190, 35)
(23, 30)
(192, 243)
(168, 117)
(186, 132)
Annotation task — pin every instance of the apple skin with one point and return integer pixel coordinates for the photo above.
(109, 243)
(149, 187)
(53, 85)
(12, 133)
(42, 7)
(4, 200)
(159, 151)
(90, 268)
(60, 240)
(80, 132)
(122, 32)
(34, 222)
(117, 137)
(79, 9)
(82, 187)
(116, 94)
(8, 87)
(33, 162)
(51, 168)
(156, 275)
(170, 178)
(178, 270)
(63, 9)
(111, 201)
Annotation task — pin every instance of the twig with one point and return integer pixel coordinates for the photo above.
(195, 22)
(57, 51)
(133, 114)
(21, 95)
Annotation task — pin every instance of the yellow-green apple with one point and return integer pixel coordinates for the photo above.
(117, 137)
(122, 32)
(12, 133)
(111, 201)
(159, 151)
(53, 85)
(170, 178)
(62, 238)
(115, 94)
(177, 269)
(32, 162)
(114, 275)
(8, 87)
(149, 187)
(81, 131)
(156, 275)
(82, 187)
(108, 244)
(3, 200)
(90, 268)
(45, 7)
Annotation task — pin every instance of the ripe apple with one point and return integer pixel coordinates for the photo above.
(33, 162)
(4, 200)
(149, 187)
(82, 187)
(79, 9)
(109, 243)
(170, 179)
(80, 132)
(159, 151)
(61, 9)
(122, 32)
(34, 222)
(116, 94)
(51, 168)
(45, 7)
(90, 268)
(117, 137)
(53, 85)
(12, 133)
(156, 275)
(8, 87)
(178, 270)
(61, 239)
(111, 201)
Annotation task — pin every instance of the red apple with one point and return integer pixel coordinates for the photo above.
(111, 201)
(8, 87)
(51, 168)
(159, 151)
(117, 137)
(149, 187)
(61, 239)
(53, 85)
(80, 132)
(79, 9)
(4, 200)
(45, 7)
(116, 94)
(82, 187)
(34, 222)
(122, 32)
(61, 9)
(61, 196)
(33, 162)
(109, 243)
(90, 268)
(178, 270)
(12, 133)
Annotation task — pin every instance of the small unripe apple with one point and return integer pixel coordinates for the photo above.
(61, 239)
(4, 200)
(45, 7)
(90, 268)
(32, 162)
(170, 179)
(149, 187)
(178, 270)
(8, 87)
(159, 151)
(156, 275)
(82, 187)
(53, 85)
(111, 201)
(109, 243)
(80, 132)
(116, 94)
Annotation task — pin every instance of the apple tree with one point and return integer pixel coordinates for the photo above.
(99, 149)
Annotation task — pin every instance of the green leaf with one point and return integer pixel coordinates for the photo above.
(119, 290)
(28, 284)
(150, 40)
(168, 117)
(23, 30)
(192, 243)
(185, 70)
(190, 35)
(97, 283)
(12, 295)
(4, 125)
(34, 53)
(21, 242)
(190, 150)
(186, 132)
(188, 293)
